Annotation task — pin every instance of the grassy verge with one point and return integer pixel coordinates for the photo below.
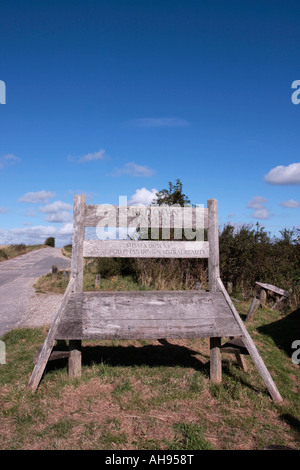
(48, 284)
(152, 395)
(11, 251)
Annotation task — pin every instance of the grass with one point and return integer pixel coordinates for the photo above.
(148, 395)
(11, 251)
(58, 285)
(152, 394)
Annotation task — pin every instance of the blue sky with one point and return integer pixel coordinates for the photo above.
(113, 98)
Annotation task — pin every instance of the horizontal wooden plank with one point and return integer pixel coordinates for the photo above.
(145, 249)
(147, 315)
(141, 216)
(272, 288)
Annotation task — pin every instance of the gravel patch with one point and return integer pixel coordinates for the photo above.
(40, 310)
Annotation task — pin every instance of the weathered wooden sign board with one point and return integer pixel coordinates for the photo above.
(145, 249)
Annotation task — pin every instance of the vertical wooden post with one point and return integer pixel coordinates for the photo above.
(213, 276)
(213, 239)
(74, 362)
(253, 307)
(77, 275)
(77, 243)
(215, 360)
(263, 297)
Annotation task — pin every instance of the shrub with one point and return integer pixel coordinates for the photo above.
(50, 241)
(3, 254)
(109, 267)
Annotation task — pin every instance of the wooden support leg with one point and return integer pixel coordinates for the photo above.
(215, 360)
(241, 362)
(74, 363)
(253, 307)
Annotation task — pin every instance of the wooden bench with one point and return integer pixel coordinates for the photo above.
(261, 298)
(146, 314)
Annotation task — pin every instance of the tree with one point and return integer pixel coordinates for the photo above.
(173, 195)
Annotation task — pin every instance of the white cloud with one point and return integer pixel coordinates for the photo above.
(291, 203)
(284, 174)
(37, 234)
(37, 197)
(262, 213)
(8, 160)
(3, 210)
(143, 197)
(160, 122)
(132, 169)
(258, 203)
(89, 157)
(58, 211)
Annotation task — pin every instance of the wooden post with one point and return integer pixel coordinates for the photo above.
(77, 275)
(213, 239)
(229, 287)
(249, 344)
(263, 297)
(241, 362)
(213, 275)
(253, 307)
(97, 280)
(215, 360)
(74, 362)
(54, 272)
(77, 243)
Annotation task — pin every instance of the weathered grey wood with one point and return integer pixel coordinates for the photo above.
(213, 239)
(55, 355)
(263, 297)
(234, 346)
(260, 365)
(97, 280)
(145, 249)
(54, 271)
(74, 362)
(50, 340)
(229, 287)
(147, 315)
(241, 362)
(279, 302)
(253, 307)
(77, 243)
(272, 288)
(215, 360)
(154, 216)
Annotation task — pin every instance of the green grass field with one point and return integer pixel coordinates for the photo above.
(152, 394)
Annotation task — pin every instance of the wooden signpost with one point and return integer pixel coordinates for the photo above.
(152, 314)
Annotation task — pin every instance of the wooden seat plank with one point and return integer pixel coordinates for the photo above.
(147, 315)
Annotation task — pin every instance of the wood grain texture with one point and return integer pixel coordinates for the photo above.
(77, 243)
(145, 249)
(272, 288)
(155, 216)
(50, 340)
(249, 344)
(213, 239)
(147, 315)
(215, 366)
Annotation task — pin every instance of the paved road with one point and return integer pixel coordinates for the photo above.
(17, 277)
